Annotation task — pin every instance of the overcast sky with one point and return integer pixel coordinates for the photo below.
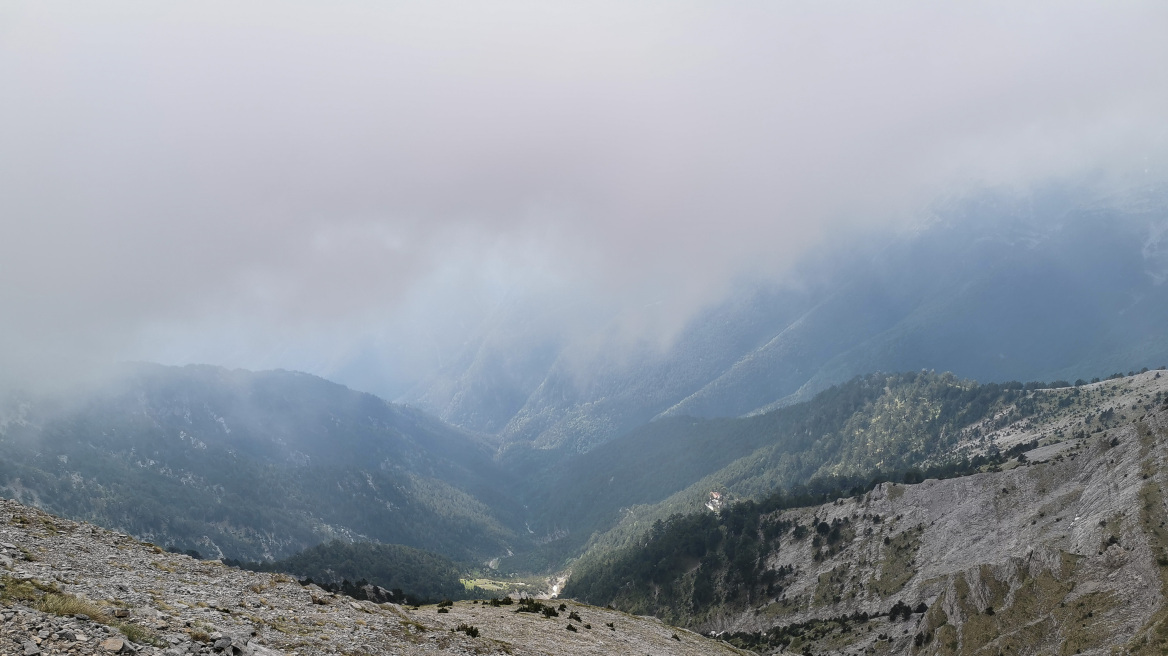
(294, 184)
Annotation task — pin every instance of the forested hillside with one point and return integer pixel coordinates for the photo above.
(255, 465)
(409, 575)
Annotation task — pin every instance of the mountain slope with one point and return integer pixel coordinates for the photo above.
(1055, 283)
(1064, 551)
(255, 465)
(136, 598)
(879, 422)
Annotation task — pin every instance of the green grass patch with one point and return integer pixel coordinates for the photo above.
(897, 566)
(1045, 616)
(832, 587)
(489, 585)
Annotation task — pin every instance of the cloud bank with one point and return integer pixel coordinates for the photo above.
(297, 184)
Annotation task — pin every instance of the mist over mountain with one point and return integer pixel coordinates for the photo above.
(675, 307)
(363, 192)
(254, 465)
(1052, 283)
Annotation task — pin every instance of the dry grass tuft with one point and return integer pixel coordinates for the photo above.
(49, 599)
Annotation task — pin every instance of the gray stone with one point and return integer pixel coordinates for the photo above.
(30, 648)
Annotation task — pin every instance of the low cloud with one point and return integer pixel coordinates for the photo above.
(292, 185)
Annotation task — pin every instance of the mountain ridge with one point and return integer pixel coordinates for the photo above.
(1054, 283)
(257, 465)
(1062, 551)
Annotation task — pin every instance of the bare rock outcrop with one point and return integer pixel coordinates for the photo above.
(1061, 552)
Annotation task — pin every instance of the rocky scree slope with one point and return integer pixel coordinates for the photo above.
(1063, 551)
(73, 588)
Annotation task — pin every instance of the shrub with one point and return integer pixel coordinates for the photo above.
(532, 606)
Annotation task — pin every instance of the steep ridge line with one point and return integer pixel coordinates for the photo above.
(1063, 552)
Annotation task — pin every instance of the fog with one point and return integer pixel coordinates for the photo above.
(349, 189)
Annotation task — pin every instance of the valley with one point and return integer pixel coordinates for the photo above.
(518, 329)
(1048, 538)
(802, 527)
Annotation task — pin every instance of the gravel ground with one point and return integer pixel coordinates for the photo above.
(172, 604)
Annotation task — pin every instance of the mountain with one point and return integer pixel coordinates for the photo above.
(1052, 542)
(878, 424)
(255, 465)
(1056, 283)
(263, 466)
(1061, 550)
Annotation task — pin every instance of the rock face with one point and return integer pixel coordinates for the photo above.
(77, 589)
(1064, 552)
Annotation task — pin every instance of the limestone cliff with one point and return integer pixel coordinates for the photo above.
(1064, 552)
